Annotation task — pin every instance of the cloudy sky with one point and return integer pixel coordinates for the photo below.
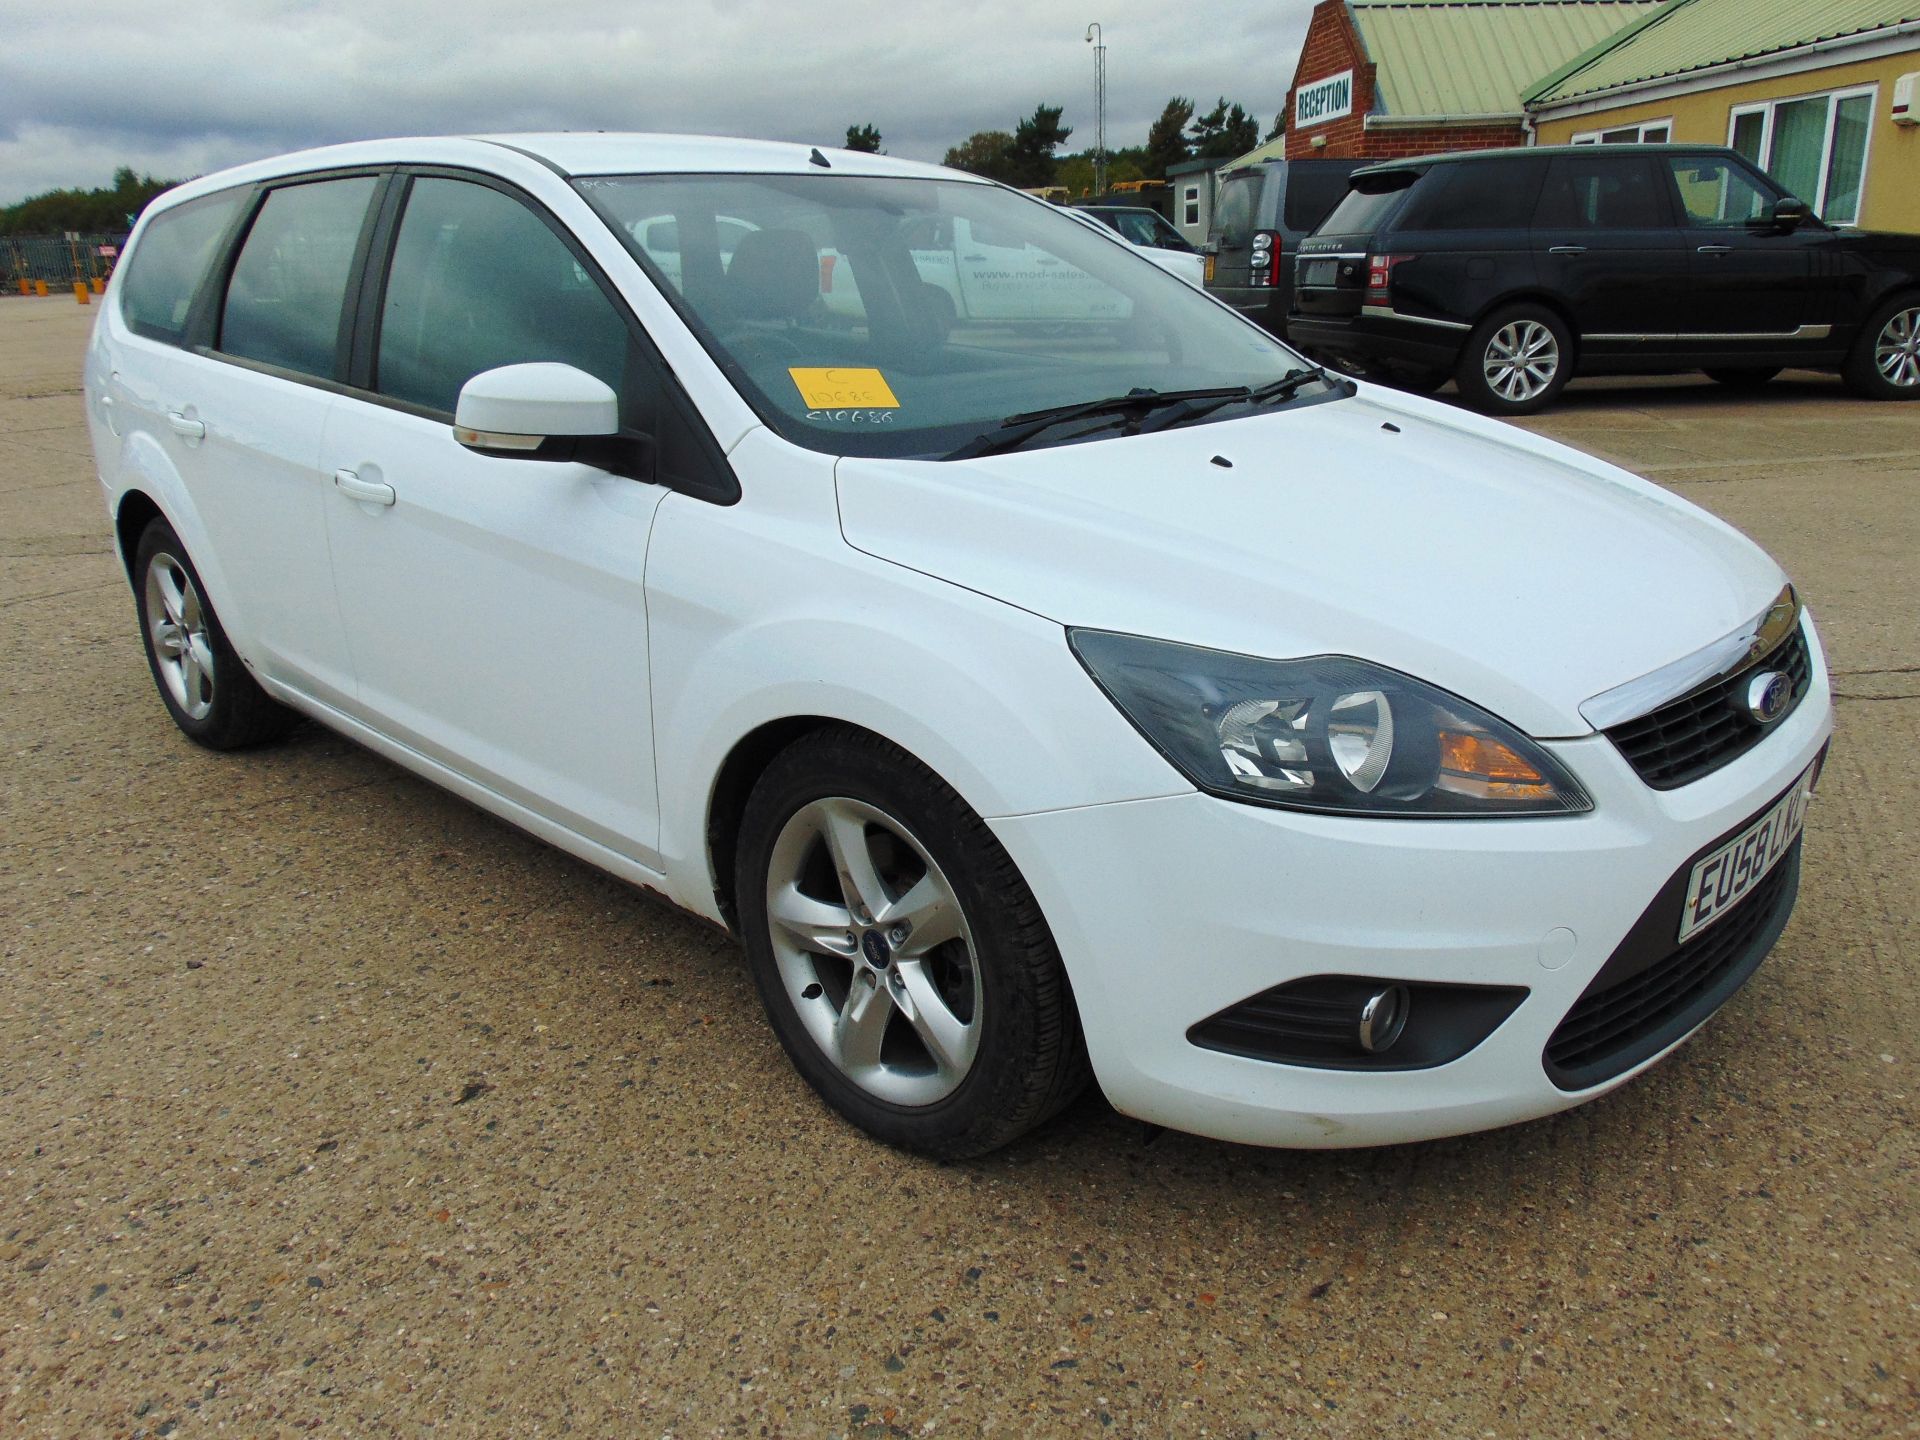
(185, 86)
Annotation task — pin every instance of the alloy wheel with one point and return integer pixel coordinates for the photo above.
(177, 630)
(1521, 359)
(1896, 353)
(874, 951)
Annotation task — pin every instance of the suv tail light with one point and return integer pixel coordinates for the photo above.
(1264, 263)
(1380, 277)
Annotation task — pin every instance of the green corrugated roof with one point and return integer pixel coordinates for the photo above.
(1690, 35)
(1476, 57)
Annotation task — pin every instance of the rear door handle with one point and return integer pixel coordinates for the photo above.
(1566, 250)
(1716, 250)
(181, 425)
(371, 491)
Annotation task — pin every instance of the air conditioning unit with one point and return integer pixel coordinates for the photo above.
(1906, 99)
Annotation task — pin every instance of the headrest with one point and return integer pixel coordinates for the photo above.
(774, 275)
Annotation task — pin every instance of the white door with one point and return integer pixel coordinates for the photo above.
(249, 431)
(494, 607)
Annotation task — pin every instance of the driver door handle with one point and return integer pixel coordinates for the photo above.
(1716, 249)
(371, 491)
(1566, 250)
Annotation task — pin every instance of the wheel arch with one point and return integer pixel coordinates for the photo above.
(1545, 300)
(733, 784)
(131, 516)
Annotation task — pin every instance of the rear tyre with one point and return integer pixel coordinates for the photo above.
(203, 683)
(1885, 363)
(903, 963)
(1744, 378)
(1516, 361)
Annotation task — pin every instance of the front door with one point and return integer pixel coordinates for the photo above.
(1606, 246)
(494, 607)
(1749, 277)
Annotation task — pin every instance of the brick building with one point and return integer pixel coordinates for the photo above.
(1380, 78)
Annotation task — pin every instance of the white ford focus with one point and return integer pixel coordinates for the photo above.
(1074, 681)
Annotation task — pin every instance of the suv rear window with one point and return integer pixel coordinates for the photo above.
(1476, 195)
(1233, 215)
(1368, 204)
(168, 264)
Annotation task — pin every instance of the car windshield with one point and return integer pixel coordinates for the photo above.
(872, 315)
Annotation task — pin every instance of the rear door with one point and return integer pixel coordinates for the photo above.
(1607, 246)
(1236, 213)
(1332, 275)
(279, 326)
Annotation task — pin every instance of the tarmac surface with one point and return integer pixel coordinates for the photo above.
(329, 1104)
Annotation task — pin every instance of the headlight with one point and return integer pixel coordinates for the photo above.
(1324, 733)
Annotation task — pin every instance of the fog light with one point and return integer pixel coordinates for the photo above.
(1383, 1017)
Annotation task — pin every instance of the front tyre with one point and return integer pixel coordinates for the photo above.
(1885, 363)
(903, 963)
(204, 684)
(1516, 361)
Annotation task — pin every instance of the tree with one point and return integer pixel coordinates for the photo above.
(1167, 138)
(864, 138)
(1034, 141)
(1279, 127)
(102, 212)
(985, 152)
(1224, 132)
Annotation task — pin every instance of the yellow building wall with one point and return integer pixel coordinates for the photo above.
(1892, 198)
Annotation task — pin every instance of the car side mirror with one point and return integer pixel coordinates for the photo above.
(546, 411)
(518, 409)
(1788, 212)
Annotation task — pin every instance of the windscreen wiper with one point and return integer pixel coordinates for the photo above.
(1016, 430)
(1285, 388)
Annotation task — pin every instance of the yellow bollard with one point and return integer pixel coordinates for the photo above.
(99, 285)
(26, 286)
(40, 288)
(82, 293)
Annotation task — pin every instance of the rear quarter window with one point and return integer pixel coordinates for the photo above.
(1233, 215)
(164, 272)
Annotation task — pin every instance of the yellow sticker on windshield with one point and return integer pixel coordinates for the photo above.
(837, 387)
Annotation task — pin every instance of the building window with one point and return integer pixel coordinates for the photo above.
(1814, 145)
(1649, 132)
(1192, 201)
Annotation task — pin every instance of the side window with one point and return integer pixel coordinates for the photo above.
(1602, 191)
(289, 283)
(158, 284)
(1715, 191)
(1476, 195)
(479, 281)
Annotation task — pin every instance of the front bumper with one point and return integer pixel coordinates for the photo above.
(1169, 911)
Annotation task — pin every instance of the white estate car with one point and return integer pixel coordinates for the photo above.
(1114, 694)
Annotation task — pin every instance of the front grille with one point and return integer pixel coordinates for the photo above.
(1613, 1028)
(1698, 733)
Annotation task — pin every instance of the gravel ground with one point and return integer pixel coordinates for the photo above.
(329, 1104)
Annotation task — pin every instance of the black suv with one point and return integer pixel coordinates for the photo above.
(1260, 215)
(1511, 270)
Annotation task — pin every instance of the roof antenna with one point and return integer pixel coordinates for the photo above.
(816, 158)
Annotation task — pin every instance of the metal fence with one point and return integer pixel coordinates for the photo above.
(57, 261)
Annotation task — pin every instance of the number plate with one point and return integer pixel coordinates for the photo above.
(1721, 879)
(1209, 275)
(1318, 272)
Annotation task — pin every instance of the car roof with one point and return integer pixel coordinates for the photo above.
(1512, 153)
(1122, 209)
(574, 153)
